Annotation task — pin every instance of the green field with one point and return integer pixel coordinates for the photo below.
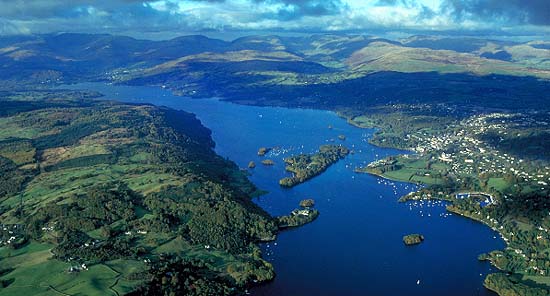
(498, 184)
(412, 170)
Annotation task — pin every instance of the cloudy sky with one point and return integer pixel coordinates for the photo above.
(185, 16)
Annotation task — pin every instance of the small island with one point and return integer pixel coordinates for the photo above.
(307, 203)
(305, 166)
(298, 217)
(251, 165)
(413, 239)
(268, 162)
(263, 150)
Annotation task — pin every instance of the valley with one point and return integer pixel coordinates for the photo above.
(471, 112)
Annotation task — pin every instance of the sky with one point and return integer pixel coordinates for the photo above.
(138, 17)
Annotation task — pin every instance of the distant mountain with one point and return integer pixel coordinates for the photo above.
(458, 44)
(182, 46)
(381, 56)
(76, 55)
(201, 66)
(258, 43)
(534, 54)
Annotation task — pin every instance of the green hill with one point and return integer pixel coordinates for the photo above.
(99, 196)
(381, 56)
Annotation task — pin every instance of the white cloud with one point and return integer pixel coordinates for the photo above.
(41, 16)
(13, 28)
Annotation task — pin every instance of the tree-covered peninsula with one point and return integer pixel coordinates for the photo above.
(100, 197)
(306, 166)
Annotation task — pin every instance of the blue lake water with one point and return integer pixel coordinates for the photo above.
(355, 246)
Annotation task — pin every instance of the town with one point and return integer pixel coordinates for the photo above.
(469, 163)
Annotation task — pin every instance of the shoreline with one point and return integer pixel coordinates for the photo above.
(447, 208)
(386, 178)
(352, 123)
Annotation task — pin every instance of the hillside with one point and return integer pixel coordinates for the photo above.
(69, 57)
(381, 56)
(99, 196)
(533, 54)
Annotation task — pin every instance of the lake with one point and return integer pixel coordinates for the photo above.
(355, 246)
